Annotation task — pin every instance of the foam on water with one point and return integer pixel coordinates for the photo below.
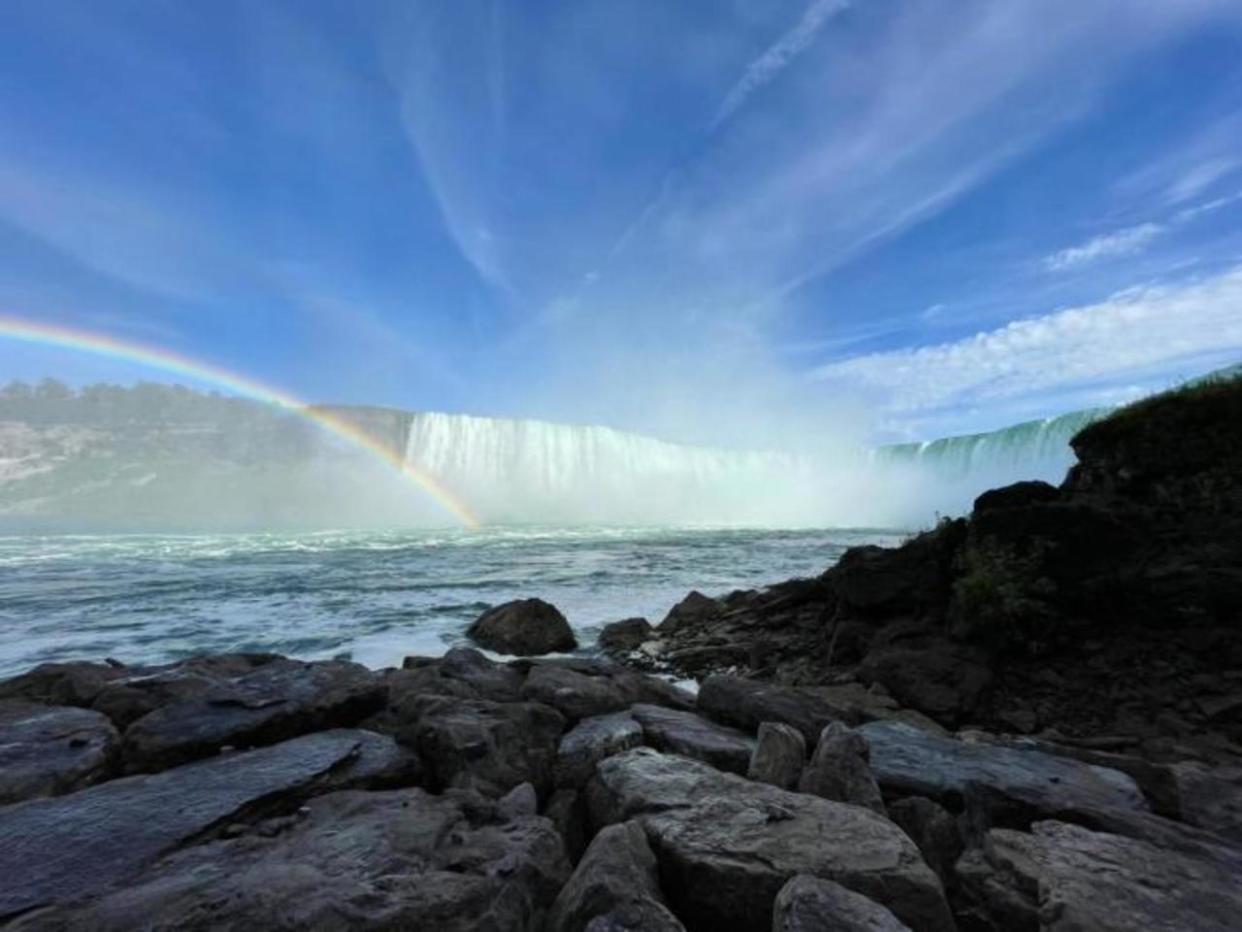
(374, 596)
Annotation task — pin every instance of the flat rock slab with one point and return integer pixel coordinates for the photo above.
(690, 735)
(811, 904)
(908, 761)
(1065, 878)
(353, 860)
(49, 750)
(69, 846)
(575, 695)
(280, 700)
(727, 845)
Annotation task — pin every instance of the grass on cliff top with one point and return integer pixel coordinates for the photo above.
(1197, 422)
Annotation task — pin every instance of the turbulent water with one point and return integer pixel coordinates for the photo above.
(374, 597)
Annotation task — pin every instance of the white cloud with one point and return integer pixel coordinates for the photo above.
(779, 55)
(1153, 330)
(1199, 178)
(1125, 242)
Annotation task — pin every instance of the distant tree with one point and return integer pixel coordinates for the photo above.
(53, 390)
(17, 390)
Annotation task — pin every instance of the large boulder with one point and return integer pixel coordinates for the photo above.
(812, 904)
(592, 740)
(526, 627)
(1211, 798)
(726, 845)
(839, 769)
(49, 750)
(907, 761)
(678, 732)
(71, 846)
(463, 671)
(279, 700)
(490, 747)
(351, 860)
(780, 755)
(621, 637)
(695, 611)
(1065, 878)
(574, 695)
(932, 828)
(943, 680)
(748, 703)
(615, 879)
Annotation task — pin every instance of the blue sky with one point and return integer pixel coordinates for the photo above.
(726, 221)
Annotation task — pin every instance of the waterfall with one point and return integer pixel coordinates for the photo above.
(1030, 450)
(529, 470)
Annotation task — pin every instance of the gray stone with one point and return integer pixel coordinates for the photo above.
(353, 860)
(932, 828)
(1211, 798)
(69, 846)
(526, 627)
(812, 904)
(726, 845)
(590, 741)
(487, 746)
(623, 636)
(907, 761)
(280, 700)
(1065, 878)
(747, 704)
(780, 755)
(839, 769)
(691, 735)
(49, 750)
(616, 880)
(945, 681)
(567, 812)
(519, 801)
(574, 695)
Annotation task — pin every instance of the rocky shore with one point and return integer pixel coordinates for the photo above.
(1026, 719)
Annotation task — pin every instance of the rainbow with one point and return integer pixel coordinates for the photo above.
(99, 344)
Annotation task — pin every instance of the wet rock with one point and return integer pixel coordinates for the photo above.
(487, 746)
(138, 691)
(691, 735)
(694, 611)
(811, 904)
(780, 755)
(912, 580)
(566, 810)
(726, 845)
(616, 879)
(909, 762)
(70, 846)
(652, 690)
(526, 627)
(625, 636)
(573, 694)
(351, 860)
(1211, 798)
(465, 671)
(1019, 494)
(49, 750)
(839, 769)
(932, 828)
(280, 700)
(61, 683)
(942, 680)
(748, 703)
(1065, 878)
(519, 801)
(590, 741)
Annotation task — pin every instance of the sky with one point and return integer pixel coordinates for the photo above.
(731, 222)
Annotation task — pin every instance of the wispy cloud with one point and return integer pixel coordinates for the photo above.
(1150, 330)
(1125, 242)
(1199, 178)
(778, 56)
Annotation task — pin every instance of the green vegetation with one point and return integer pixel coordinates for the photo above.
(1000, 598)
(1205, 415)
